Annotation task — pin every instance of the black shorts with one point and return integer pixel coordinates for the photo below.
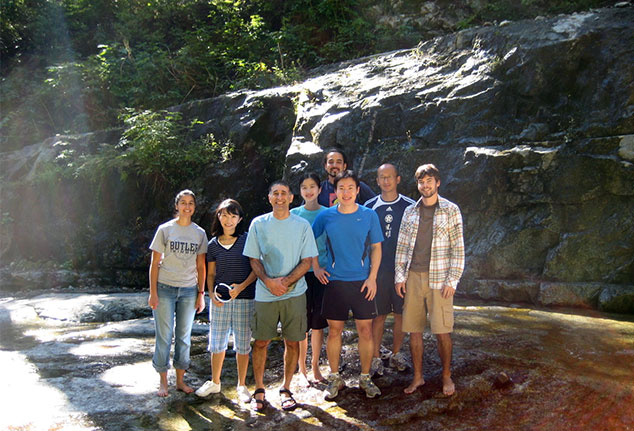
(342, 296)
(387, 301)
(314, 299)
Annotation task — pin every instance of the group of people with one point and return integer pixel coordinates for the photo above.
(305, 269)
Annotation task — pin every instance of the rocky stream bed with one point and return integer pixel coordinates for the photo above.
(82, 361)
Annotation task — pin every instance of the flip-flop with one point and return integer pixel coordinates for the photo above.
(287, 403)
(260, 405)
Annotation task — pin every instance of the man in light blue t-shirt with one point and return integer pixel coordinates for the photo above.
(353, 244)
(280, 246)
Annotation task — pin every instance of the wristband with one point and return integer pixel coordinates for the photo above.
(201, 292)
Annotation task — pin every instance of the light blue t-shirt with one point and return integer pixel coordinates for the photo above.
(321, 241)
(280, 245)
(348, 240)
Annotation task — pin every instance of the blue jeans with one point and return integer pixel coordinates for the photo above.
(179, 303)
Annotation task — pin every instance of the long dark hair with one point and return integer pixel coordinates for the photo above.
(313, 176)
(232, 207)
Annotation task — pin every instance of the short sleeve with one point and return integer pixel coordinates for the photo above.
(376, 233)
(158, 243)
(251, 247)
(203, 243)
(211, 252)
(309, 246)
(318, 224)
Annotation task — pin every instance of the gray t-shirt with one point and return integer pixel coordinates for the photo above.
(179, 246)
(280, 245)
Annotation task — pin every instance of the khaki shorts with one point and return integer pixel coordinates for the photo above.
(420, 301)
(290, 312)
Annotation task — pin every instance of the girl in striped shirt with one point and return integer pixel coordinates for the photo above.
(226, 264)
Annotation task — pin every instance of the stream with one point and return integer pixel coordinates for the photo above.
(82, 361)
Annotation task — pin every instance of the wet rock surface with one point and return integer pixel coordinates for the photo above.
(531, 124)
(514, 368)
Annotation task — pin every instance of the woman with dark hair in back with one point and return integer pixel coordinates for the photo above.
(309, 190)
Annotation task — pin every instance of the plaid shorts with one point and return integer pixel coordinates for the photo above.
(234, 316)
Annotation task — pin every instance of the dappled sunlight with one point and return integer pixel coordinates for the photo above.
(135, 379)
(110, 347)
(105, 374)
(28, 402)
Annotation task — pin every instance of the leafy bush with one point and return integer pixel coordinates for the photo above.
(156, 148)
(157, 145)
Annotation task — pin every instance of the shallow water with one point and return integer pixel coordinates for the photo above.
(564, 371)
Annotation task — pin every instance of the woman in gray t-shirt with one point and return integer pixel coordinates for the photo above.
(177, 288)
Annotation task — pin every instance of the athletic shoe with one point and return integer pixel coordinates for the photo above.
(371, 390)
(377, 367)
(243, 394)
(398, 361)
(384, 352)
(208, 388)
(335, 384)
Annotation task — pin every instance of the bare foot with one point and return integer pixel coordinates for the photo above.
(162, 392)
(317, 377)
(183, 387)
(448, 388)
(414, 385)
(303, 381)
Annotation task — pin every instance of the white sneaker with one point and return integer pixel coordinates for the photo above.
(243, 394)
(377, 367)
(208, 388)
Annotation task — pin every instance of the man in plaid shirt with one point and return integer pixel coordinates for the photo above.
(428, 265)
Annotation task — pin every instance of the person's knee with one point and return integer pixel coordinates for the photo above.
(292, 346)
(365, 332)
(444, 338)
(335, 331)
(416, 338)
(260, 344)
(379, 320)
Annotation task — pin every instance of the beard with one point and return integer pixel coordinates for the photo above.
(429, 193)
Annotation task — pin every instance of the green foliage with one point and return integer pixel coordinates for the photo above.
(71, 66)
(156, 148)
(318, 32)
(156, 145)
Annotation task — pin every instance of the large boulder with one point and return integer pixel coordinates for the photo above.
(530, 124)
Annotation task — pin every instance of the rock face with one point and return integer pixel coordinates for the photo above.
(530, 123)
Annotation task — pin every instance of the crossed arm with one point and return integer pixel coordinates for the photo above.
(279, 286)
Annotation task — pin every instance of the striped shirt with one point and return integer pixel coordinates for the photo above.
(231, 265)
(447, 246)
